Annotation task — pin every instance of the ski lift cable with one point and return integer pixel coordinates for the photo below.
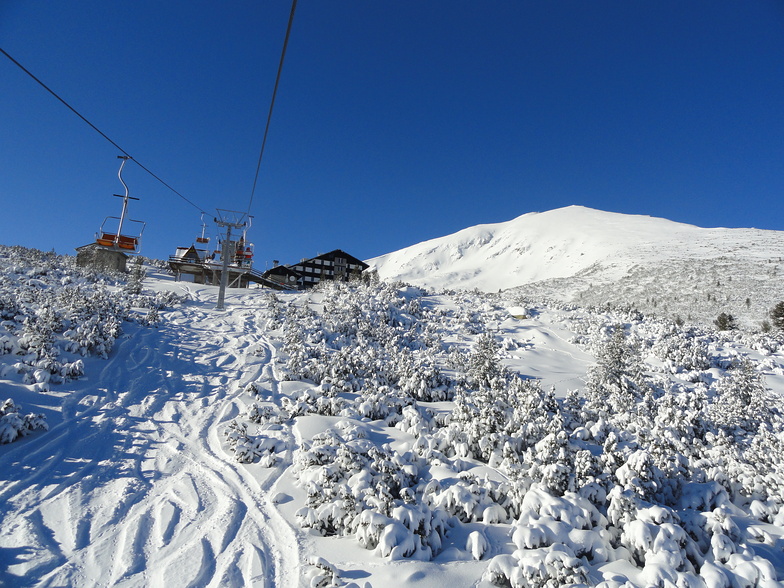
(272, 102)
(96, 129)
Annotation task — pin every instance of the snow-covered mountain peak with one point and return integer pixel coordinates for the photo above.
(564, 242)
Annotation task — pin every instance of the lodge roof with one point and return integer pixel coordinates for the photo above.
(331, 255)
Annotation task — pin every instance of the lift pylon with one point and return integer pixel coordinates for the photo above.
(228, 219)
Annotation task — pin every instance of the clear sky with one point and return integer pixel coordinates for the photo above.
(395, 121)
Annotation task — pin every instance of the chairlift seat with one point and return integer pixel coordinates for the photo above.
(105, 240)
(121, 241)
(128, 243)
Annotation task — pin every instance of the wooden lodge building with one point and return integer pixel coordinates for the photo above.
(205, 269)
(336, 265)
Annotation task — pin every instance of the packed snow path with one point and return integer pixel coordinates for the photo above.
(132, 487)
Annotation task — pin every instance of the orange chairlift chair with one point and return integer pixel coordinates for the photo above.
(118, 240)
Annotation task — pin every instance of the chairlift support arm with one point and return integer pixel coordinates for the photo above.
(125, 198)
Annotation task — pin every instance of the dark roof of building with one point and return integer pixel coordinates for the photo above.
(95, 245)
(191, 254)
(282, 270)
(338, 253)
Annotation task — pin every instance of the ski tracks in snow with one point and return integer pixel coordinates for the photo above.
(133, 488)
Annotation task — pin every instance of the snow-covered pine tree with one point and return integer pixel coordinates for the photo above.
(616, 382)
(777, 315)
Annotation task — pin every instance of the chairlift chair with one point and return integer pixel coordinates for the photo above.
(203, 239)
(244, 252)
(115, 239)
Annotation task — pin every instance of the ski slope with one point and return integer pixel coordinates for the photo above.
(130, 487)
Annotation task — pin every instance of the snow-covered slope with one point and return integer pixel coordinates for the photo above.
(580, 253)
(562, 243)
(371, 434)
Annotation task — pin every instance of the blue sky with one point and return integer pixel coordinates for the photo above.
(395, 122)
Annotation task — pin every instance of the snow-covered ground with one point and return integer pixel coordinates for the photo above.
(377, 434)
(130, 485)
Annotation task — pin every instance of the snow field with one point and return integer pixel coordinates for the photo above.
(379, 434)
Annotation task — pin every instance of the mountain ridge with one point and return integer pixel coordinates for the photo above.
(577, 253)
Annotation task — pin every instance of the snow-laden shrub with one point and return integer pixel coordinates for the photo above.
(13, 425)
(472, 500)
(639, 475)
(683, 350)
(38, 332)
(252, 448)
(477, 544)
(370, 526)
(94, 336)
(414, 421)
(354, 487)
(633, 467)
(375, 476)
(665, 544)
(502, 419)
(742, 401)
(320, 573)
(396, 542)
(263, 414)
(311, 401)
(382, 403)
(555, 565)
(458, 501)
(364, 339)
(424, 528)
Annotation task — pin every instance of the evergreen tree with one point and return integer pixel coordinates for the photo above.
(617, 381)
(134, 283)
(483, 364)
(725, 322)
(742, 400)
(777, 315)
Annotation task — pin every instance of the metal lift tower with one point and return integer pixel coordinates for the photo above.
(230, 219)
